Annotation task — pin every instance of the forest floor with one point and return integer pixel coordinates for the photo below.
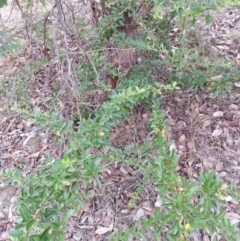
(205, 130)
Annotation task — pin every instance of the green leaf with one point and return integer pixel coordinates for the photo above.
(168, 217)
(61, 236)
(174, 84)
(44, 235)
(215, 238)
(53, 236)
(33, 202)
(31, 188)
(171, 237)
(89, 195)
(179, 201)
(207, 206)
(30, 225)
(24, 213)
(16, 233)
(208, 19)
(67, 215)
(56, 223)
(221, 215)
(2, 3)
(34, 237)
(175, 228)
(22, 239)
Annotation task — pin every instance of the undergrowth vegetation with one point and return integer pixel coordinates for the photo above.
(157, 65)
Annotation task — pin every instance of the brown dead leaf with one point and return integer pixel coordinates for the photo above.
(219, 166)
(5, 156)
(158, 202)
(106, 220)
(173, 147)
(217, 77)
(190, 146)
(233, 106)
(129, 194)
(171, 122)
(207, 123)
(182, 139)
(145, 116)
(236, 113)
(237, 84)
(28, 122)
(124, 171)
(212, 159)
(238, 59)
(232, 200)
(140, 213)
(21, 60)
(113, 136)
(124, 211)
(9, 126)
(31, 135)
(87, 207)
(206, 238)
(222, 47)
(218, 114)
(147, 208)
(232, 215)
(35, 155)
(217, 132)
(102, 230)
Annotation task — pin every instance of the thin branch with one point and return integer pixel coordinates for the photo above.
(26, 26)
(8, 15)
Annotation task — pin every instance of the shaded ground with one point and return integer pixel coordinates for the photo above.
(206, 132)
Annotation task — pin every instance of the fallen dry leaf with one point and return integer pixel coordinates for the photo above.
(234, 106)
(219, 166)
(238, 59)
(102, 230)
(140, 213)
(182, 139)
(124, 211)
(217, 132)
(9, 126)
(190, 146)
(35, 155)
(113, 136)
(207, 123)
(173, 147)
(145, 115)
(206, 238)
(237, 84)
(217, 77)
(231, 215)
(28, 138)
(124, 171)
(218, 114)
(106, 220)
(171, 122)
(159, 202)
(232, 200)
